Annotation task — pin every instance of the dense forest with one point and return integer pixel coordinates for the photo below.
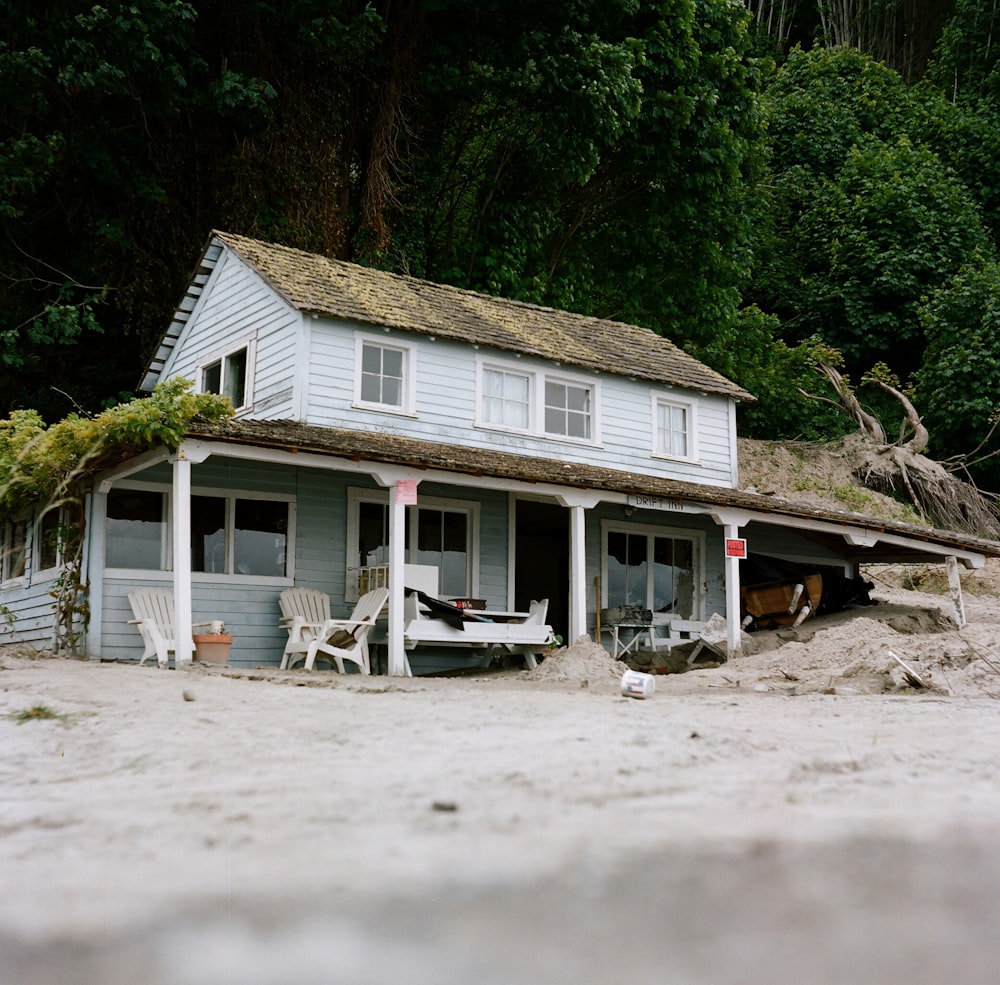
(775, 185)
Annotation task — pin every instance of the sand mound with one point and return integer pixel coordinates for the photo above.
(583, 661)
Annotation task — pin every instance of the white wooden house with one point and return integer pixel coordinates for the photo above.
(381, 420)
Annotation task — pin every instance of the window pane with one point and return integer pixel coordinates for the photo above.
(392, 363)
(627, 569)
(211, 378)
(371, 359)
(261, 537)
(373, 534)
(443, 541)
(672, 430)
(48, 536)
(13, 545)
(392, 392)
(135, 529)
(236, 377)
(208, 534)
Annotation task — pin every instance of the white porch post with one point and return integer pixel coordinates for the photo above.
(734, 639)
(182, 558)
(397, 556)
(577, 503)
(731, 521)
(577, 574)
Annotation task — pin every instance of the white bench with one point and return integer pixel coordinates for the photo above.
(524, 636)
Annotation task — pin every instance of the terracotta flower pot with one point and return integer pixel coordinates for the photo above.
(212, 648)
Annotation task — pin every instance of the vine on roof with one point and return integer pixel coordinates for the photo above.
(44, 465)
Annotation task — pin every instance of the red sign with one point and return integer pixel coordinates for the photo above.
(406, 492)
(736, 547)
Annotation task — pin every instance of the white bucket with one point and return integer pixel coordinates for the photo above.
(637, 685)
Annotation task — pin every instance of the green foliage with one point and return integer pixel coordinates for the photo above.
(595, 161)
(863, 212)
(959, 383)
(44, 464)
(37, 713)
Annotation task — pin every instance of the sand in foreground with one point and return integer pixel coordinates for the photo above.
(210, 826)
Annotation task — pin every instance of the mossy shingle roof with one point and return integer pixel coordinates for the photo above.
(335, 289)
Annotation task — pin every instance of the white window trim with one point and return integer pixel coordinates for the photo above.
(569, 379)
(691, 406)
(355, 496)
(35, 552)
(20, 581)
(203, 577)
(250, 344)
(697, 537)
(538, 377)
(514, 369)
(408, 408)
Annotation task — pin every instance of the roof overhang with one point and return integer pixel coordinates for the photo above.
(853, 536)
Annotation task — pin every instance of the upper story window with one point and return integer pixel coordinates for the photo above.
(13, 549)
(568, 409)
(536, 402)
(674, 429)
(385, 376)
(507, 399)
(229, 376)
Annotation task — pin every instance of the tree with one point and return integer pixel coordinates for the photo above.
(862, 215)
(959, 382)
(591, 156)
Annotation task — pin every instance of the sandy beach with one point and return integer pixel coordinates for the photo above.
(801, 815)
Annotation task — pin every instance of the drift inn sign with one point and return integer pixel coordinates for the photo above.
(655, 503)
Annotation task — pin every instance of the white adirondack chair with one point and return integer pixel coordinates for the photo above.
(312, 634)
(154, 615)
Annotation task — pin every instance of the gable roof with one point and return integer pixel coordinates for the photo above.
(318, 285)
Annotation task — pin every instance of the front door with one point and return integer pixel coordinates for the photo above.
(541, 560)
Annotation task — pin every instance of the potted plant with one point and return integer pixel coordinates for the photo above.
(213, 647)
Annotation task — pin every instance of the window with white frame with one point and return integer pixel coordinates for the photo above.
(235, 535)
(536, 402)
(135, 529)
(442, 533)
(231, 533)
(506, 398)
(674, 428)
(656, 568)
(13, 549)
(50, 541)
(229, 375)
(568, 409)
(384, 378)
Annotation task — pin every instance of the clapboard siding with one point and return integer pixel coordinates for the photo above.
(30, 605)
(250, 613)
(236, 307)
(445, 381)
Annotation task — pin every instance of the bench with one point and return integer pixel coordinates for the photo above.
(465, 628)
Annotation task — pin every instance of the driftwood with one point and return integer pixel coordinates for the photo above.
(900, 469)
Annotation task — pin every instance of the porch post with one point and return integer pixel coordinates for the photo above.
(182, 559)
(577, 574)
(734, 638)
(397, 557)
